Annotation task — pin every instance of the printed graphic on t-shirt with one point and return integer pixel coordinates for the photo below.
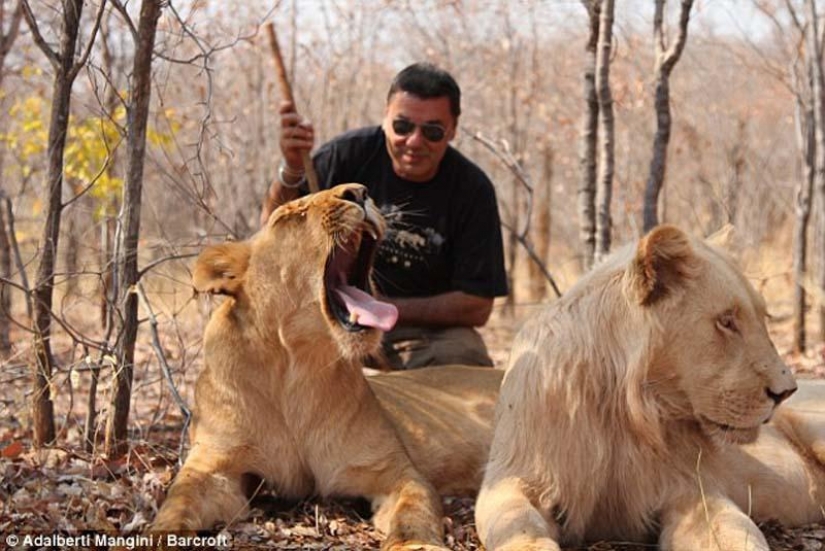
(405, 244)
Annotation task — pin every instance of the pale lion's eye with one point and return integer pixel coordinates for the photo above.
(727, 322)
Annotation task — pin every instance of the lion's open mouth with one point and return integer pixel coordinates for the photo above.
(346, 282)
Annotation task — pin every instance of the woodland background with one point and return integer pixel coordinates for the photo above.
(563, 107)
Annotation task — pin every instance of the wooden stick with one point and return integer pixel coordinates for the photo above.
(286, 91)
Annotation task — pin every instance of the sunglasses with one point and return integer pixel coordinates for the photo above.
(431, 132)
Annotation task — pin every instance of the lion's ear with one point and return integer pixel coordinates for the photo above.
(220, 268)
(663, 262)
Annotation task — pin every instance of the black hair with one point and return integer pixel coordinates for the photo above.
(426, 81)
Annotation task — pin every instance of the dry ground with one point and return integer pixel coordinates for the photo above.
(67, 491)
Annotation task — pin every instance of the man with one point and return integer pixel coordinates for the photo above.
(441, 263)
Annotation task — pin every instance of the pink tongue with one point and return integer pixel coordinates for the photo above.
(368, 311)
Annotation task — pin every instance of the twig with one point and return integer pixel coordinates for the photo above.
(286, 91)
(531, 252)
(84, 57)
(37, 37)
(167, 373)
(505, 156)
(705, 507)
(15, 247)
(160, 261)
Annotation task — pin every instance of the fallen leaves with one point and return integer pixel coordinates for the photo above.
(12, 450)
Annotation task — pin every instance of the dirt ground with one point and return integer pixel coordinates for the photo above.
(68, 492)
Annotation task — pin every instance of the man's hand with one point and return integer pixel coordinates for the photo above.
(455, 308)
(297, 135)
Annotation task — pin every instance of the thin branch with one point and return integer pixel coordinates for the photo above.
(658, 27)
(505, 156)
(512, 164)
(85, 57)
(74, 334)
(106, 162)
(14, 29)
(531, 252)
(206, 53)
(159, 261)
(675, 51)
(798, 23)
(167, 372)
(121, 9)
(15, 247)
(50, 54)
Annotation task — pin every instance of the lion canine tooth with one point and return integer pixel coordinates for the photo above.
(353, 317)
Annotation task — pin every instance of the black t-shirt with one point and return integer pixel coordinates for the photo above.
(442, 235)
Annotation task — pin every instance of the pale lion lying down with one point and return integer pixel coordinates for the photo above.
(282, 396)
(634, 408)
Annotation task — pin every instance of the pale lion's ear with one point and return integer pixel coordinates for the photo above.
(664, 261)
(220, 269)
(724, 238)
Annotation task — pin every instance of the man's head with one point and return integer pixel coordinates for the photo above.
(423, 105)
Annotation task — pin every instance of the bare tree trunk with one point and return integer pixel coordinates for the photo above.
(5, 272)
(604, 182)
(516, 209)
(818, 89)
(65, 72)
(805, 137)
(111, 101)
(127, 269)
(818, 101)
(541, 228)
(5, 265)
(71, 254)
(666, 59)
(7, 37)
(589, 138)
(736, 165)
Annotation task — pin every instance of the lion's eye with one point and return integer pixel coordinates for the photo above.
(727, 322)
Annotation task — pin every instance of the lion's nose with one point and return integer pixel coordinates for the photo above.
(779, 397)
(354, 193)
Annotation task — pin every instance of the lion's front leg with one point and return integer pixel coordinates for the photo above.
(411, 515)
(712, 523)
(507, 520)
(206, 490)
(804, 424)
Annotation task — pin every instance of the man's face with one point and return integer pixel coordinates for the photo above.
(407, 122)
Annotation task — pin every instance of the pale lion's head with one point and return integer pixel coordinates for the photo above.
(715, 357)
(304, 279)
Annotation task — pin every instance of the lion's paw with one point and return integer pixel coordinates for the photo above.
(415, 547)
(543, 544)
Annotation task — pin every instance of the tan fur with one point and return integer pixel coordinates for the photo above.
(282, 396)
(609, 422)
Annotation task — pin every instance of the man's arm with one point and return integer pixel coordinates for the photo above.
(455, 308)
(296, 136)
(276, 196)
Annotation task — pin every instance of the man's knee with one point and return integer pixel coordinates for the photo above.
(427, 347)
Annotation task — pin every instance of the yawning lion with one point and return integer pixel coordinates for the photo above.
(282, 396)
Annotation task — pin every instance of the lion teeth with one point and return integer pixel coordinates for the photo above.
(353, 317)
